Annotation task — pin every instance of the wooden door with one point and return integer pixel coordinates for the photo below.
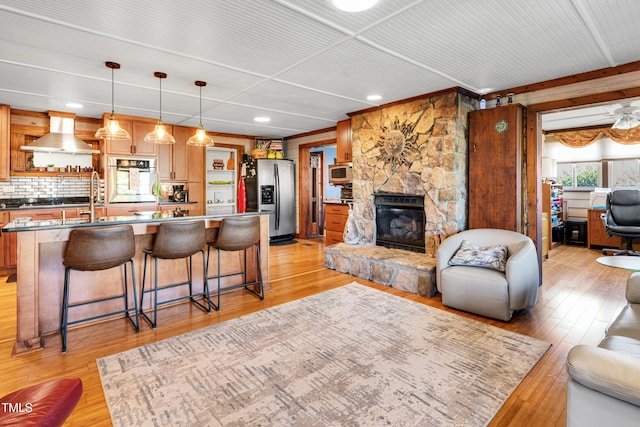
(496, 138)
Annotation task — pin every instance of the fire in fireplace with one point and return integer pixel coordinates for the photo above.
(400, 221)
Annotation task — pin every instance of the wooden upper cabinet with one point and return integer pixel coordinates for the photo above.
(196, 156)
(172, 158)
(5, 141)
(119, 146)
(140, 130)
(343, 141)
(136, 145)
(496, 138)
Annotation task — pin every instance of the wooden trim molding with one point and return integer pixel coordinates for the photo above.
(579, 101)
(456, 89)
(567, 80)
(313, 132)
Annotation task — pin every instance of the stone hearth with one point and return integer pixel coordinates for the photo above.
(408, 271)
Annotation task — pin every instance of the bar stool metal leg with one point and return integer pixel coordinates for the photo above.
(136, 323)
(65, 310)
(95, 249)
(176, 241)
(239, 234)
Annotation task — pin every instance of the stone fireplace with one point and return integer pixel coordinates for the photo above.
(418, 147)
(400, 221)
(409, 189)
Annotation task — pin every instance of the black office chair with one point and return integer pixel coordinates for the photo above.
(623, 219)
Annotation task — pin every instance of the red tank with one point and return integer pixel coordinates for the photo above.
(242, 196)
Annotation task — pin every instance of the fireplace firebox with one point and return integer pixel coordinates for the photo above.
(400, 221)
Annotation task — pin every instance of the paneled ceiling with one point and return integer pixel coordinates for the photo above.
(302, 63)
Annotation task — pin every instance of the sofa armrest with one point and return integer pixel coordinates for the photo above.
(523, 276)
(606, 371)
(633, 288)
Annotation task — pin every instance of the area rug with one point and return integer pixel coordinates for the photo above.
(351, 356)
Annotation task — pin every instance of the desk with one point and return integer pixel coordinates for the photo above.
(596, 233)
(622, 261)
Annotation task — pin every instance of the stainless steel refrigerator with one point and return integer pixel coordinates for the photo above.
(271, 188)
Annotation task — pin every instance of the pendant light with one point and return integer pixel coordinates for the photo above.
(112, 130)
(159, 134)
(200, 138)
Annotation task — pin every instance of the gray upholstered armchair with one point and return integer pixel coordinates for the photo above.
(488, 291)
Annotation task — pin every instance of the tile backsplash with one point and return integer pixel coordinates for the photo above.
(23, 187)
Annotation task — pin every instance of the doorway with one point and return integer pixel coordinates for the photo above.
(534, 149)
(316, 193)
(308, 218)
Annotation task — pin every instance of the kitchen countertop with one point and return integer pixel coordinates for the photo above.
(65, 202)
(43, 203)
(337, 202)
(21, 224)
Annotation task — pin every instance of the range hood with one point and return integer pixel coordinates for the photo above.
(60, 139)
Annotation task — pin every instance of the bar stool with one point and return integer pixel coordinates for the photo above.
(175, 240)
(238, 234)
(93, 249)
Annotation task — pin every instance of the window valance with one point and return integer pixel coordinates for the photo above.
(582, 138)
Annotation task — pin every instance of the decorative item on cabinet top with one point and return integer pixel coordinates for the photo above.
(268, 149)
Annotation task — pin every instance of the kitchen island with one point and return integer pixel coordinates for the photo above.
(40, 272)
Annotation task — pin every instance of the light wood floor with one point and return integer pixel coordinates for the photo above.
(579, 297)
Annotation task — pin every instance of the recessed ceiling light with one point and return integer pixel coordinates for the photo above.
(261, 119)
(374, 97)
(354, 5)
(73, 105)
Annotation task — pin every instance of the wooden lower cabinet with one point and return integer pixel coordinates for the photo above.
(335, 219)
(127, 209)
(4, 243)
(596, 233)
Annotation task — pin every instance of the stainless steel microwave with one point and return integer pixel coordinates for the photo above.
(131, 180)
(340, 174)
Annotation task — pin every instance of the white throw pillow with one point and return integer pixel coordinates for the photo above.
(492, 257)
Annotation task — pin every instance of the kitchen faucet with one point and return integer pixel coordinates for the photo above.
(94, 195)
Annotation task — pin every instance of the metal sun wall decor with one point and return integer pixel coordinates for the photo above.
(399, 142)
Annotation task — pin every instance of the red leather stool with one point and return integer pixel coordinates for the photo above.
(45, 404)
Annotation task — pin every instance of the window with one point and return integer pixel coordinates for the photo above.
(584, 175)
(624, 173)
